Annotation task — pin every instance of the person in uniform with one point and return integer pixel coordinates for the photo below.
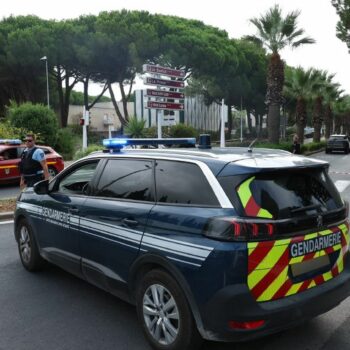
(33, 167)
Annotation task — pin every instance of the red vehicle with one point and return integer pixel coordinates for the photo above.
(10, 156)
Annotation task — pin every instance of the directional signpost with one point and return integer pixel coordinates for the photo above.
(165, 97)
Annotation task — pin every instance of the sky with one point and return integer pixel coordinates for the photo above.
(317, 18)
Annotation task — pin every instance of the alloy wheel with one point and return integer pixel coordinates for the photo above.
(25, 244)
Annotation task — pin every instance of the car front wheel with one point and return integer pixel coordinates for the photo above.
(52, 171)
(164, 313)
(27, 247)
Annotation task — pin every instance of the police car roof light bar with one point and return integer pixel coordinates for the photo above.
(118, 143)
(10, 141)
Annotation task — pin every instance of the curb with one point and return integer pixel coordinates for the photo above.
(8, 215)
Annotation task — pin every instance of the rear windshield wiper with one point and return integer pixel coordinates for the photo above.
(308, 207)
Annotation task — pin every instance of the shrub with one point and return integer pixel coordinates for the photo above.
(7, 131)
(135, 127)
(65, 143)
(182, 130)
(35, 117)
(87, 151)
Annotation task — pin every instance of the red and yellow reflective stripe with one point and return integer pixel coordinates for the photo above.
(268, 265)
(250, 206)
(50, 163)
(8, 166)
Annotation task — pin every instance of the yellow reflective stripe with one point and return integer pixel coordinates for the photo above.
(340, 264)
(296, 260)
(312, 284)
(255, 277)
(282, 242)
(294, 289)
(274, 286)
(252, 245)
(327, 276)
(8, 166)
(272, 257)
(50, 163)
(244, 191)
(263, 213)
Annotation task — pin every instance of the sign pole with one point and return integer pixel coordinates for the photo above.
(222, 134)
(84, 130)
(159, 115)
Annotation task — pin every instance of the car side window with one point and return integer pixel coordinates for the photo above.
(183, 183)
(77, 182)
(9, 154)
(130, 179)
(19, 151)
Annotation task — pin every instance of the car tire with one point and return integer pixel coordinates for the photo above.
(159, 296)
(52, 171)
(27, 247)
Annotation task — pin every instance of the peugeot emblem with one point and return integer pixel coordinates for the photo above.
(319, 221)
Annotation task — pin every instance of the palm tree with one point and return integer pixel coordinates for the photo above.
(298, 85)
(276, 32)
(331, 96)
(322, 83)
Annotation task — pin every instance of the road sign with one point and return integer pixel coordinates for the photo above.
(165, 94)
(177, 73)
(165, 105)
(168, 121)
(164, 82)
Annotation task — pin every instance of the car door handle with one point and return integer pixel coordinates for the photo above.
(73, 210)
(130, 222)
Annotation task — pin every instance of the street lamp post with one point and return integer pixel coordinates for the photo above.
(47, 81)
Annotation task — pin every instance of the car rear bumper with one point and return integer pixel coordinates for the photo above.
(235, 303)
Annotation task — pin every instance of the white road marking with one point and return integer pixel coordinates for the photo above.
(6, 222)
(341, 185)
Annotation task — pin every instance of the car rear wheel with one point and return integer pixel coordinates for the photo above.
(164, 313)
(27, 247)
(52, 171)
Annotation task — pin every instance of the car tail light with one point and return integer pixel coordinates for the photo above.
(246, 325)
(238, 229)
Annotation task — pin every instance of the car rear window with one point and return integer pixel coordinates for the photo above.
(282, 195)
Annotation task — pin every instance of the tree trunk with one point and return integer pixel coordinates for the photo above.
(275, 81)
(249, 120)
(317, 119)
(301, 118)
(328, 121)
(122, 120)
(273, 123)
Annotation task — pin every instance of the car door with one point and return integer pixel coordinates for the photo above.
(113, 221)
(59, 233)
(9, 164)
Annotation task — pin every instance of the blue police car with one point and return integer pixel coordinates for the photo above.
(220, 244)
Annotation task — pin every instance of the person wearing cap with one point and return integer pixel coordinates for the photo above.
(33, 167)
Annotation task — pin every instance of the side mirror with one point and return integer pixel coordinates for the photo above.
(42, 187)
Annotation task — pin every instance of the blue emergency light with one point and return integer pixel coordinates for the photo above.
(10, 142)
(115, 144)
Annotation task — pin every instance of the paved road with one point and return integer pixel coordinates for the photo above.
(57, 311)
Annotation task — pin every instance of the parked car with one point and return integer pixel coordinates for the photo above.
(309, 132)
(10, 156)
(222, 244)
(338, 143)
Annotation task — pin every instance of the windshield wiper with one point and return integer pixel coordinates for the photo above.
(308, 207)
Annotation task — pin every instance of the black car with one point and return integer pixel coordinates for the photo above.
(221, 244)
(338, 143)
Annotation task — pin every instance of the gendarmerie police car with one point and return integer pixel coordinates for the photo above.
(221, 244)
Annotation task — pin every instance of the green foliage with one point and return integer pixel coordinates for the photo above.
(77, 98)
(35, 117)
(313, 146)
(89, 149)
(182, 130)
(8, 131)
(65, 143)
(135, 127)
(343, 26)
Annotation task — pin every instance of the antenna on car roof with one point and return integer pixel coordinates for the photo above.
(250, 150)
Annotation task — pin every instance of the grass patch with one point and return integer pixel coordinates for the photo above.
(7, 205)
